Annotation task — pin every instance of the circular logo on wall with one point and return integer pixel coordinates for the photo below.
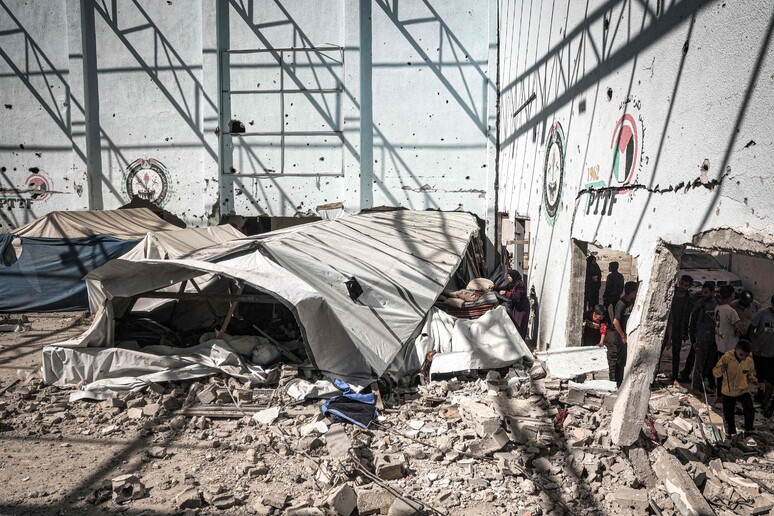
(626, 148)
(38, 187)
(553, 172)
(147, 179)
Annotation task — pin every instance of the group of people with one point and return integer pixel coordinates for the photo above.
(731, 339)
(612, 315)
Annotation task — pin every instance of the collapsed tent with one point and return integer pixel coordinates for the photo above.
(43, 263)
(359, 289)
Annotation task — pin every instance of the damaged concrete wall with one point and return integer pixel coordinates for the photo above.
(249, 108)
(38, 146)
(627, 123)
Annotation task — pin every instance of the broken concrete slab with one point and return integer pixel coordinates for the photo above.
(126, 488)
(374, 500)
(682, 491)
(189, 498)
(337, 441)
(631, 498)
(482, 418)
(391, 466)
(343, 500)
(569, 363)
(490, 444)
(266, 416)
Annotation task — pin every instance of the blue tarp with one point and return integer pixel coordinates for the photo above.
(48, 276)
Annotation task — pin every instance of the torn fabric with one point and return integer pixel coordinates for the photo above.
(106, 371)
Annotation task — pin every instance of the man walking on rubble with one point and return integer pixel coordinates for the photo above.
(736, 372)
(623, 309)
(614, 286)
(762, 326)
(701, 330)
(677, 327)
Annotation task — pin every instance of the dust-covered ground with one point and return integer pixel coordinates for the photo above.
(507, 442)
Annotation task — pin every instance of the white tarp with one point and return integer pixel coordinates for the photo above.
(401, 259)
(108, 370)
(128, 224)
(489, 342)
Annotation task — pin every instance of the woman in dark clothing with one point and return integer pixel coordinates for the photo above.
(593, 282)
(515, 291)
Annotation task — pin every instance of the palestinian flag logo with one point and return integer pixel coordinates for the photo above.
(626, 149)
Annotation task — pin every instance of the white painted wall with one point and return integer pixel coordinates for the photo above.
(696, 80)
(413, 116)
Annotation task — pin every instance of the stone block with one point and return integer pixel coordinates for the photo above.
(402, 508)
(151, 409)
(127, 487)
(134, 413)
(491, 444)
(188, 499)
(276, 500)
(374, 500)
(343, 500)
(481, 417)
(390, 466)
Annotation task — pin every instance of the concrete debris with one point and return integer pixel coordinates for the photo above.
(343, 500)
(189, 498)
(267, 416)
(126, 488)
(374, 500)
(512, 441)
(687, 498)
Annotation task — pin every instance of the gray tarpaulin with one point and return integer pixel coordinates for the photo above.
(401, 259)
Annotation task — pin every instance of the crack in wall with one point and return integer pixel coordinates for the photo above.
(427, 188)
(702, 180)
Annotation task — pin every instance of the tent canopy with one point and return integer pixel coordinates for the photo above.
(128, 224)
(401, 260)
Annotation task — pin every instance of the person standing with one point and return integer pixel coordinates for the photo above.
(746, 307)
(701, 330)
(728, 324)
(623, 309)
(677, 327)
(518, 301)
(614, 286)
(762, 326)
(736, 371)
(593, 283)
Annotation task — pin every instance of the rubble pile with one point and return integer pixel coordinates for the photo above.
(513, 441)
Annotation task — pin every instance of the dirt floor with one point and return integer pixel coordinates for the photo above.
(58, 457)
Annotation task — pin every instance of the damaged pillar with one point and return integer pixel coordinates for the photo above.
(645, 328)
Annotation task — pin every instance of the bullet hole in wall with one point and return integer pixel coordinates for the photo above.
(609, 94)
(582, 106)
(606, 23)
(751, 143)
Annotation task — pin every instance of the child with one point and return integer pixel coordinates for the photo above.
(595, 327)
(737, 371)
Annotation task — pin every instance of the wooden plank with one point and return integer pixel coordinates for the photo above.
(282, 349)
(231, 310)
